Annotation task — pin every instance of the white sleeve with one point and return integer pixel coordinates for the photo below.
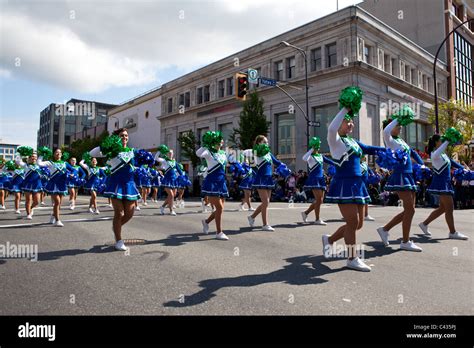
(158, 158)
(440, 150)
(203, 152)
(387, 136)
(307, 155)
(19, 162)
(84, 165)
(42, 163)
(336, 146)
(95, 152)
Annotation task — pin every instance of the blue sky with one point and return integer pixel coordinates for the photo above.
(110, 51)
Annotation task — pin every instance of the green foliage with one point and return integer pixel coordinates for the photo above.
(188, 143)
(252, 122)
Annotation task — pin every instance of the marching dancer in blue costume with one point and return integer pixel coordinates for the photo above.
(56, 185)
(263, 180)
(74, 181)
(214, 185)
(155, 183)
(366, 171)
(143, 181)
(441, 182)
(315, 181)
(170, 168)
(121, 187)
(401, 180)
(95, 176)
(183, 182)
(31, 185)
(246, 183)
(14, 186)
(44, 181)
(3, 183)
(347, 188)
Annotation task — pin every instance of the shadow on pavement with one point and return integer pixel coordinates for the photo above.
(302, 270)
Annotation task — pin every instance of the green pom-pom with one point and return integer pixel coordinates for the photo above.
(315, 143)
(163, 150)
(351, 98)
(107, 171)
(211, 139)
(45, 152)
(261, 149)
(404, 116)
(10, 165)
(111, 146)
(25, 151)
(66, 155)
(453, 136)
(86, 157)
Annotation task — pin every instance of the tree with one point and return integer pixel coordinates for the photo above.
(454, 113)
(252, 122)
(78, 147)
(188, 143)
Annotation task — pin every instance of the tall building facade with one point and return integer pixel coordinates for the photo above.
(140, 116)
(348, 47)
(8, 151)
(59, 123)
(427, 23)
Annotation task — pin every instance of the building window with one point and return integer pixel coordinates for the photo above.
(291, 66)
(417, 135)
(407, 73)
(286, 134)
(413, 76)
(316, 59)
(230, 86)
(181, 100)
(367, 53)
(170, 104)
(278, 70)
(393, 67)
(221, 89)
(187, 99)
(463, 51)
(226, 130)
(331, 55)
(387, 63)
(199, 96)
(207, 95)
(322, 116)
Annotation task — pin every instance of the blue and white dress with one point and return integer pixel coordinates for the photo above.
(315, 180)
(263, 178)
(58, 176)
(18, 175)
(247, 178)
(95, 177)
(155, 178)
(441, 181)
(401, 178)
(183, 181)
(214, 183)
(75, 177)
(120, 184)
(170, 170)
(3, 179)
(347, 186)
(32, 179)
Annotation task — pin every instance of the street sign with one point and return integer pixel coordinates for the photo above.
(267, 82)
(252, 76)
(314, 124)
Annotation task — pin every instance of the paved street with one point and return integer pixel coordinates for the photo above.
(178, 270)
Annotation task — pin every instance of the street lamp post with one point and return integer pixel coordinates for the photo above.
(434, 71)
(305, 56)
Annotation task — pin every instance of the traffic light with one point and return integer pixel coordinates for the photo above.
(241, 86)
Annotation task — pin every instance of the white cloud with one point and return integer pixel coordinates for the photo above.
(124, 43)
(48, 52)
(18, 132)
